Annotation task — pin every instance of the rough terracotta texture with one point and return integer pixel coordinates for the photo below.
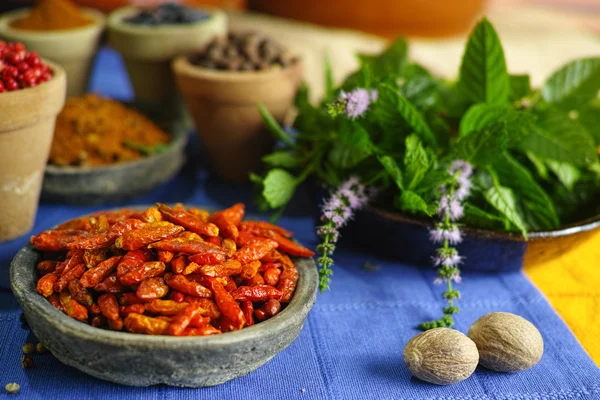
(73, 49)
(148, 51)
(142, 360)
(223, 105)
(27, 119)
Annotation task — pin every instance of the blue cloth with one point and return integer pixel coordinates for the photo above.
(351, 345)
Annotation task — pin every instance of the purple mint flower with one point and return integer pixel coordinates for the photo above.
(438, 281)
(456, 210)
(357, 102)
(374, 95)
(456, 277)
(460, 165)
(439, 234)
(450, 259)
(464, 187)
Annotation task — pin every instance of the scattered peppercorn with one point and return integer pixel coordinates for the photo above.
(28, 348)
(12, 387)
(245, 51)
(20, 69)
(168, 14)
(27, 362)
(40, 348)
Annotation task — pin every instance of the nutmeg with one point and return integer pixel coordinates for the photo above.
(441, 356)
(506, 342)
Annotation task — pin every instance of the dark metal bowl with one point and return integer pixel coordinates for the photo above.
(119, 182)
(143, 360)
(405, 238)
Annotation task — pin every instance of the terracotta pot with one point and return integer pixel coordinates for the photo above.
(148, 51)
(27, 119)
(383, 17)
(223, 105)
(74, 49)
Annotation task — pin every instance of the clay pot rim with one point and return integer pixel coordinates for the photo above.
(57, 73)
(98, 23)
(115, 22)
(585, 225)
(24, 289)
(182, 66)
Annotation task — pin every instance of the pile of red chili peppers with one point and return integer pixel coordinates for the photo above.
(168, 271)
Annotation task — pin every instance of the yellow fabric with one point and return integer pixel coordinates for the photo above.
(571, 281)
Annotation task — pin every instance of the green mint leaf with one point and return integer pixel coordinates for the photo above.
(392, 168)
(392, 110)
(520, 86)
(538, 164)
(278, 187)
(503, 200)
(589, 117)
(354, 145)
(274, 126)
(483, 75)
(479, 217)
(283, 159)
(329, 81)
(536, 205)
(573, 85)
(419, 87)
(389, 62)
(416, 162)
(411, 202)
(566, 173)
(519, 124)
(482, 148)
(558, 137)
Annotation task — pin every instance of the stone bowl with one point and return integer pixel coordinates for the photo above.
(119, 182)
(144, 360)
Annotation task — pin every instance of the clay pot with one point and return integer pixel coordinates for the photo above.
(27, 119)
(74, 49)
(223, 105)
(149, 50)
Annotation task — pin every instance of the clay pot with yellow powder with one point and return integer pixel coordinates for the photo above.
(73, 45)
(27, 119)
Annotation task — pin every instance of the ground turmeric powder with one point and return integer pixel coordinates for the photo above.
(50, 15)
(92, 131)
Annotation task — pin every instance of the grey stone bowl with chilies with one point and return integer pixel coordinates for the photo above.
(143, 360)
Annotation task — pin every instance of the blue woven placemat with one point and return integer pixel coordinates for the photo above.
(351, 345)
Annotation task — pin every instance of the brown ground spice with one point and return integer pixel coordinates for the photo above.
(92, 131)
(50, 15)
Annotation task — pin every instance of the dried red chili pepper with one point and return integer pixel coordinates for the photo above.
(226, 222)
(73, 273)
(151, 215)
(182, 320)
(137, 274)
(250, 269)
(245, 238)
(256, 280)
(165, 256)
(46, 267)
(177, 296)
(227, 305)
(94, 276)
(288, 279)
(203, 215)
(149, 233)
(72, 260)
(248, 310)
(204, 331)
(256, 293)
(263, 225)
(209, 306)
(184, 285)
(183, 245)
(229, 247)
(117, 215)
(165, 307)
(72, 308)
(188, 220)
(207, 258)
(80, 224)
(226, 268)
(255, 250)
(108, 237)
(55, 301)
(45, 285)
(268, 310)
(79, 293)
(109, 306)
(110, 285)
(132, 308)
(138, 323)
(152, 288)
(179, 263)
(56, 240)
(127, 299)
(94, 309)
(198, 321)
(98, 321)
(271, 276)
(92, 258)
(132, 260)
(191, 268)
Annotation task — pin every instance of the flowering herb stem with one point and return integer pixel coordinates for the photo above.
(448, 233)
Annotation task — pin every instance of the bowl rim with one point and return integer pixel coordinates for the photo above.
(98, 23)
(585, 225)
(182, 65)
(177, 133)
(115, 21)
(304, 297)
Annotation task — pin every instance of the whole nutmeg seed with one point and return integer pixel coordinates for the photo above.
(506, 342)
(441, 356)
